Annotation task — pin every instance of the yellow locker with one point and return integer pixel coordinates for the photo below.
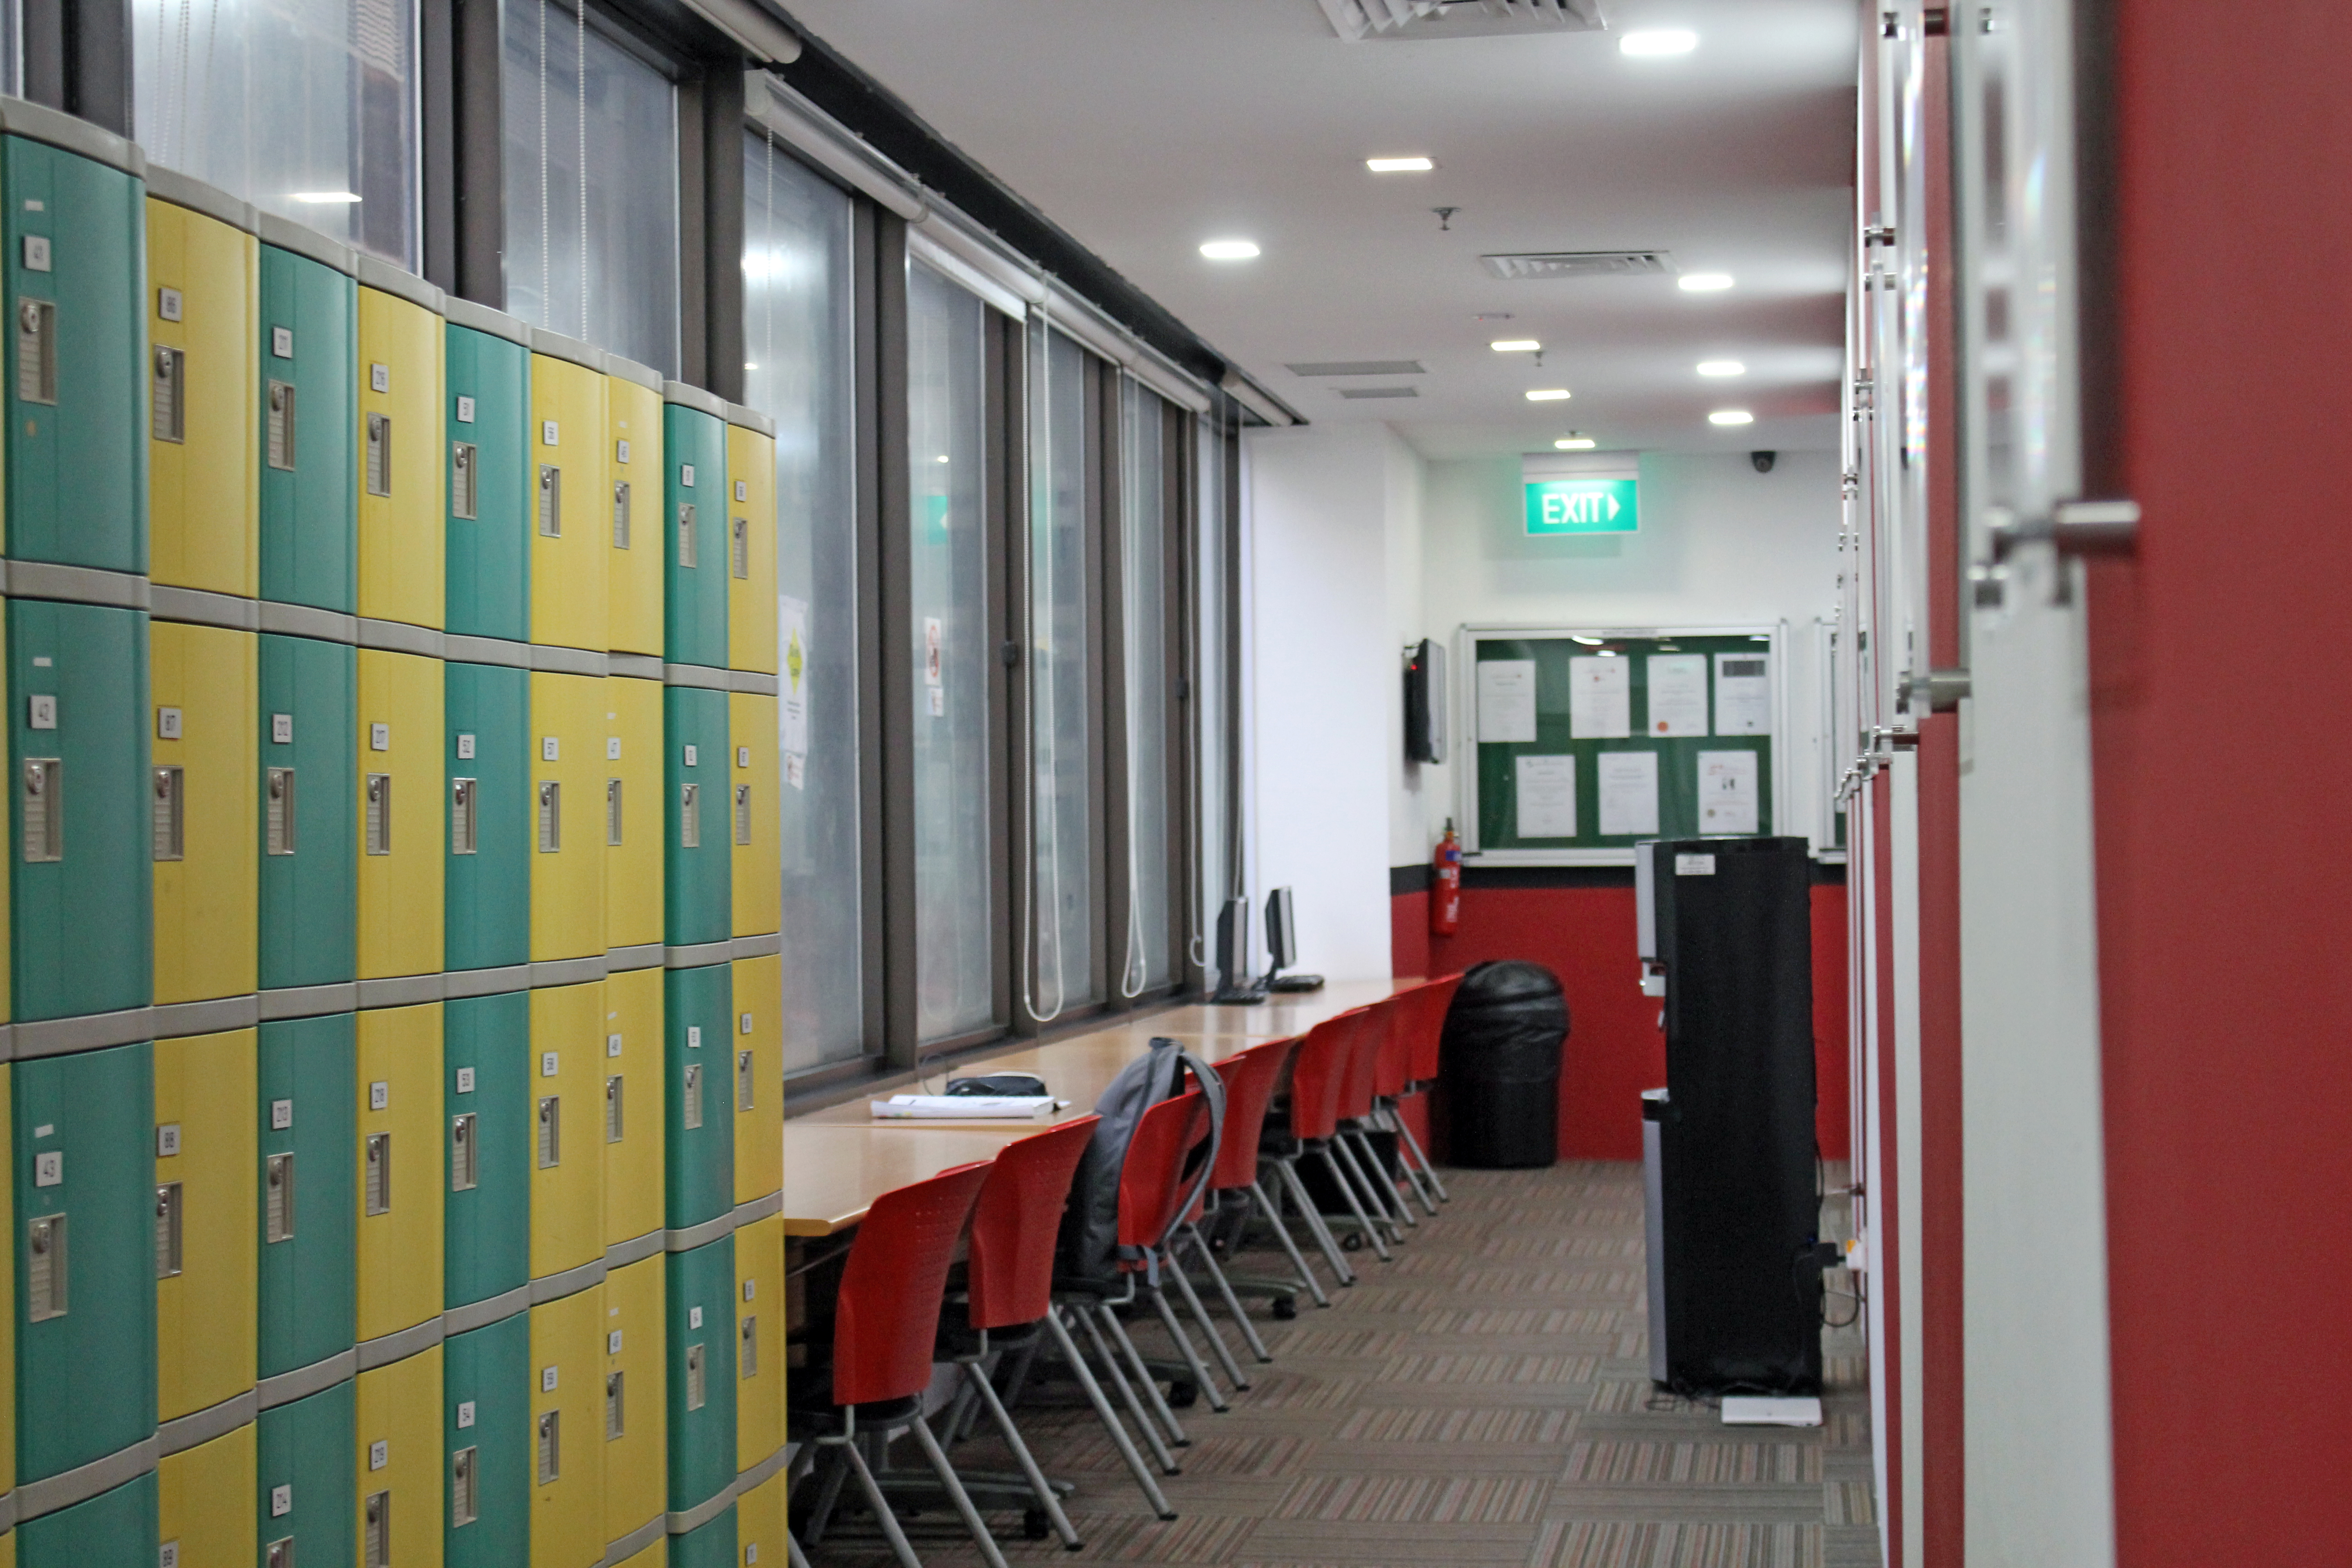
(632, 451)
(568, 1117)
(752, 813)
(758, 1340)
(751, 541)
(207, 1148)
(399, 1445)
(653, 1556)
(400, 1169)
(759, 1080)
(571, 525)
(568, 1426)
(400, 440)
(401, 815)
(761, 1516)
(203, 281)
(201, 806)
(7, 1285)
(632, 856)
(571, 768)
(632, 1104)
(205, 1503)
(636, 1398)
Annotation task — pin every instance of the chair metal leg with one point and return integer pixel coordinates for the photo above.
(1428, 1169)
(1226, 1289)
(1273, 1213)
(792, 1553)
(1108, 1417)
(1047, 1499)
(1198, 1368)
(975, 1526)
(1149, 1386)
(1315, 1227)
(1408, 1157)
(828, 1492)
(881, 1506)
(1234, 1373)
(1380, 1194)
(1144, 1422)
(1332, 1153)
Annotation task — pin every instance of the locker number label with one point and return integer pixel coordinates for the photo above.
(464, 411)
(745, 1022)
(686, 475)
(751, 1288)
(692, 759)
(551, 749)
(694, 1317)
(168, 304)
(281, 1115)
(380, 1095)
(379, 1454)
(742, 756)
(621, 450)
(464, 1080)
(49, 1169)
(41, 712)
(465, 1413)
(281, 728)
(379, 737)
(167, 1140)
(37, 253)
(380, 377)
(611, 1045)
(167, 723)
(613, 1342)
(547, 432)
(168, 1556)
(547, 1063)
(464, 747)
(743, 489)
(281, 1501)
(281, 342)
(694, 1036)
(612, 748)
(547, 1380)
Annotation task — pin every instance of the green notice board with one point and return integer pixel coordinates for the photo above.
(1587, 742)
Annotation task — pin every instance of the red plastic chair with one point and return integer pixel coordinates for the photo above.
(1252, 1076)
(1422, 1029)
(1357, 1110)
(1319, 1077)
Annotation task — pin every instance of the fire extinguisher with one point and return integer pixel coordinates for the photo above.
(1446, 896)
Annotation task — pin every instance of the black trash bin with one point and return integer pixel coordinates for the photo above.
(1501, 1064)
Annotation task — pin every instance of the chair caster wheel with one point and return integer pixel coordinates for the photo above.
(1183, 1395)
(1034, 1525)
(1352, 1244)
(1285, 1308)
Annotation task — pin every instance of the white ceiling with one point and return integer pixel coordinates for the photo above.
(1145, 127)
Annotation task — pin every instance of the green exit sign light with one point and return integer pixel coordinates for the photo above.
(1582, 505)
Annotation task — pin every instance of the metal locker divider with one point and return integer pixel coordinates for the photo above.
(489, 480)
(400, 469)
(308, 1081)
(634, 490)
(115, 1527)
(203, 1502)
(85, 1247)
(700, 1311)
(203, 281)
(204, 821)
(402, 826)
(486, 1404)
(698, 814)
(694, 526)
(570, 770)
(632, 1107)
(754, 821)
(303, 1495)
(399, 1173)
(75, 225)
(397, 1463)
(205, 1225)
(711, 1544)
(759, 1339)
(487, 794)
(487, 1078)
(757, 1083)
(634, 816)
(634, 1420)
(572, 527)
(751, 541)
(7, 1284)
(306, 345)
(567, 1110)
(762, 1516)
(567, 1431)
(308, 894)
(699, 1121)
(82, 900)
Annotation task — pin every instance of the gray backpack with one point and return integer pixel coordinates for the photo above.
(1089, 1242)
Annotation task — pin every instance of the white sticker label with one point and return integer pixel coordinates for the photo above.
(168, 304)
(465, 410)
(465, 1413)
(621, 450)
(1694, 865)
(742, 756)
(167, 723)
(751, 1288)
(551, 750)
(379, 1454)
(281, 1501)
(379, 737)
(464, 1080)
(37, 253)
(49, 1169)
(743, 489)
(746, 1023)
(611, 1045)
(547, 1061)
(169, 1555)
(380, 377)
(613, 1342)
(380, 1095)
(686, 475)
(694, 1317)
(694, 1036)
(167, 1140)
(691, 757)
(281, 1115)
(547, 1380)
(281, 728)
(281, 342)
(612, 748)
(547, 432)
(41, 712)
(464, 747)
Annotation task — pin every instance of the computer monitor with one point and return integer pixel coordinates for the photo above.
(1281, 934)
(1233, 982)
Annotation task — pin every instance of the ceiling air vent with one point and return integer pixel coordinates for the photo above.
(1359, 367)
(1412, 20)
(1577, 264)
(1357, 392)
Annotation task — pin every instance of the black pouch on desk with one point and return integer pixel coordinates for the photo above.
(998, 1083)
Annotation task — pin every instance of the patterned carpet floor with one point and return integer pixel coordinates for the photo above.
(1482, 1399)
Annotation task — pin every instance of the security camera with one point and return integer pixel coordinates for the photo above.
(1763, 460)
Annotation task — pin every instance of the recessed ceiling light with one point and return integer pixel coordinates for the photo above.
(1398, 166)
(1515, 347)
(1731, 416)
(1721, 367)
(1575, 444)
(326, 198)
(1653, 42)
(1548, 395)
(1589, 642)
(1230, 249)
(1695, 282)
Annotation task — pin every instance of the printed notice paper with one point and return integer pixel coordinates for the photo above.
(1546, 797)
(1629, 793)
(1727, 791)
(1600, 699)
(1679, 694)
(793, 706)
(1506, 699)
(1743, 693)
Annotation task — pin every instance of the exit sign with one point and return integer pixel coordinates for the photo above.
(1580, 505)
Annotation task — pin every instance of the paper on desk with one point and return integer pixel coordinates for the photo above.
(960, 1107)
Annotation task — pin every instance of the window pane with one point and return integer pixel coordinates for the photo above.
(305, 107)
(946, 452)
(1220, 832)
(598, 260)
(1061, 965)
(1150, 668)
(798, 347)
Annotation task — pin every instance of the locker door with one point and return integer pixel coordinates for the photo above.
(571, 531)
(486, 1402)
(632, 453)
(203, 1498)
(708, 1545)
(758, 1340)
(698, 1123)
(567, 1431)
(698, 846)
(402, 826)
(113, 1528)
(694, 517)
(636, 1418)
(753, 819)
(700, 1290)
(85, 1256)
(485, 451)
(486, 756)
(309, 824)
(306, 1203)
(761, 1517)
(399, 1510)
(206, 1245)
(758, 1077)
(81, 900)
(399, 467)
(632, 1105)
(203, 507)
(204, 824)
(751, 543)
(634, 816)
(307, 343)
(77, 469)
(567, 1124)
(303, 1497)
(399, 1169)
(569, 740)
(486, 1145)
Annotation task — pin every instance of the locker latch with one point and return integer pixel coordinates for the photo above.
(747, 1351)
(168, 1233)
(170, 416)
(739, 549)
(551, 1132)
(551, 501)
(375, 1550)
(615, 1109)
(379, 1173)
(379, 813)
(612, 811)
(620, 514)
(379, 454)
(282, 819)
(616, 1399)
(465, 1487)
(464, 1161)
(281, 1553)
(551, 816)
(37, 352)
(743, 814)
(463, 486)
(281, 424)
(685, 533)
(746, 1075)
(693, 1100)
(689, 816)
(277, 1197)
(461, 815)
(46, 1291)
(43, 812)
(696, 1391)
(550, 1447)
(170, 787)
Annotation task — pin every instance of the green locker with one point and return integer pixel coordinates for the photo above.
(694, 491)
(700, 1310)
(308, 343)
(708, 1545)
(113, 1530)
(85, 1178)
(486, 892)
(81, 889)
(486, 1220)
(488, 562)
(309, 1081)
(75, 228)
(304, 1479)
(486, 1416)
(698, 1120)
(698, 872)
(309, 695)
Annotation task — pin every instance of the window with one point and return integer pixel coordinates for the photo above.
(595, 259)
(1216, 452)
(305, 107)
(799, 349)
(1058, 668)
(1146, 960)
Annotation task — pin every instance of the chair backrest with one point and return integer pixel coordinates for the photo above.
(1362, 1059)
(1016, 1222)
(1393, 1062)
(1317, 1073)
(1432, 1000)
(1251, 1077)
(895, 1279)
(1153, 1188)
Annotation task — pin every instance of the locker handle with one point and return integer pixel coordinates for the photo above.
(614, 1109)
(277, 1181)
(379, 813)
(42, 809)
(281, 425)
(740, 550)
(551, 1132)
(379, 454)
(462, 829)
(550, 1447)
(465, 470)
(379, 1173)
(169, 826)
(550, 501)
(746, 1352)
(37, 352)
(689, 816)
(168, 411)
(465, 1153)
(743, 814)
(375, 1550)
(696, 1391)
(465, 1487)
(169, 1234)
(282, 819)
(745, 1076)
(620, 514)
(685, 533)
(46, 1268)
(692, 1116)
(612, 811)
(281, 1553)
(551, 816)
(616, 1406)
